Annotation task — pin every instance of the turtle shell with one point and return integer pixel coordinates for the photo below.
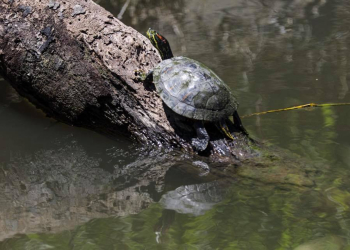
(192, 90)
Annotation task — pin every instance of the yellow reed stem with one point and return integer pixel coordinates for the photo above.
(297, 107)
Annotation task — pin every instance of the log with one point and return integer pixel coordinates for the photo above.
(77, 63)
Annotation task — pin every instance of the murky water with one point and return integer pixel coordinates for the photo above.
(69, 188)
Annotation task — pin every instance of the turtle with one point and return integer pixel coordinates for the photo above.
(191, 89)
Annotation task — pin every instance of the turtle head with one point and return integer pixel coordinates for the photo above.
(160, 43)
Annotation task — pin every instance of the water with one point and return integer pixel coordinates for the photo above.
(70, 188)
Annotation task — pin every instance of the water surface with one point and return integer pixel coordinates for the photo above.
(70, 188)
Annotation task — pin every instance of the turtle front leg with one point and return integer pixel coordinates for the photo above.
(143, 76)
(238, 123)
(146, 78)
(201, 142)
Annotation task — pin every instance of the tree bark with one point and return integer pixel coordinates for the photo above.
(77, 63)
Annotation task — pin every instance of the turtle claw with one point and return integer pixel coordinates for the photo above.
(199, 144)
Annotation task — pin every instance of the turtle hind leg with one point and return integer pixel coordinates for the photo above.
(222, 126)
(201, 142)
(238, 123)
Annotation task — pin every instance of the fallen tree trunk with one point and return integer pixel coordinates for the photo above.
(77, 62)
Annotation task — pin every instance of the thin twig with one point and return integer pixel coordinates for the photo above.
(121, 13)
(298, 107)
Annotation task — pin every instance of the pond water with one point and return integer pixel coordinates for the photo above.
(70, 188)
